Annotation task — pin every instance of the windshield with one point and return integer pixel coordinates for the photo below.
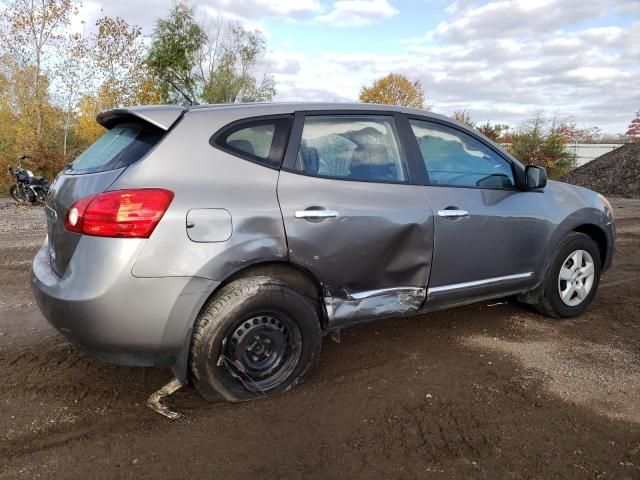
(119, 147)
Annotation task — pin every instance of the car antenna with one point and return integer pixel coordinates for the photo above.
(191, 101)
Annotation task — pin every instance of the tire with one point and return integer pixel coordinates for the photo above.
(15, 193)
(256, 337)
(551, 302)
(41, 197)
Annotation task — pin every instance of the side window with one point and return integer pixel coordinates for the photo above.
(262, 141)
(457, 159)
(352, 147)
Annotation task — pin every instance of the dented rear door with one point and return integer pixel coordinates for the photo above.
(366, 233)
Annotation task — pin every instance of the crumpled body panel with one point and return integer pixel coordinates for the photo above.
(345, 308)
(380, 238)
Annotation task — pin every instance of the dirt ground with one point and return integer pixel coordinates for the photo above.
(487, 391)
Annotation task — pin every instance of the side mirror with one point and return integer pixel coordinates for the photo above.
(536, 177)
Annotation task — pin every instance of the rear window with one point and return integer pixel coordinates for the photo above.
(119, 147)
(259, 140)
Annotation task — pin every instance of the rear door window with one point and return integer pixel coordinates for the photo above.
(352, 147)
(119, 147)
(260, 140)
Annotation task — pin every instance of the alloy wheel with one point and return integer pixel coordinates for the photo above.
(576, 278)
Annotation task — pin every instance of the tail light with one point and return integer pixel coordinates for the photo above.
(121, 213)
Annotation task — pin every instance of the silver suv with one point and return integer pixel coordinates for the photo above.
(224, 241)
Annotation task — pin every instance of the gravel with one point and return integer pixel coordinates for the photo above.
(18, 219)
(615, 173)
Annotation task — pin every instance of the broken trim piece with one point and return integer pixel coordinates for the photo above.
(347, 308)
(155, 400)
(382, 291)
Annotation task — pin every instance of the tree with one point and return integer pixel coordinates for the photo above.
(235, 77)
(464, 116)
(53, 82)
(394, 89)
(573, 134)
(75, 62)
(494, 131)
(175, 51)
(120, 59)
(536, 144)
(30, 27)
(633, 133)
(220, 62)
(122, 77)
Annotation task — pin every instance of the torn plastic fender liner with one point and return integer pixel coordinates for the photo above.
(347, 308)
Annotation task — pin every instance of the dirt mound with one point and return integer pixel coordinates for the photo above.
(615, 173)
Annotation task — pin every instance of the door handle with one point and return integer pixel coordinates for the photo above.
(316, 214)
(453, 213)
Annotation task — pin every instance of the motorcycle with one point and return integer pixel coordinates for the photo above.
(29, 188)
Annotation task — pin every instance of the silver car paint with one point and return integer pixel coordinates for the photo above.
(162, 116)
(204, 177)
(382, 237)
(504, 235)
(135, 301)
(64, 191)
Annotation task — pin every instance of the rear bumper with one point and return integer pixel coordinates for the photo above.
(112, 315)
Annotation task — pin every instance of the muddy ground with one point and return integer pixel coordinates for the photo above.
(487, 391)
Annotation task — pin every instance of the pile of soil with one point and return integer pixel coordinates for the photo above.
(616, 173)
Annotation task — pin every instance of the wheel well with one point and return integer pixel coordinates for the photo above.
(293, 275)
(598, 236)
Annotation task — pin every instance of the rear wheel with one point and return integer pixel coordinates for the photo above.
(572, 279)
(256, 337)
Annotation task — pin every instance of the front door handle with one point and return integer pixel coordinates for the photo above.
(316, 214)
(453, 213)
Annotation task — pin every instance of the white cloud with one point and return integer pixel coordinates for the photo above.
(358, 12)
(250, 13)
(259, 8)
(496, 19)
(586, 73)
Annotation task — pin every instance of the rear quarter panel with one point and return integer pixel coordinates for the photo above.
(203, 177)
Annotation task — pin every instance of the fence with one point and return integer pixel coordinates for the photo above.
(585, 152)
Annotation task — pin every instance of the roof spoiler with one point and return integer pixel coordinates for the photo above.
(162, 116)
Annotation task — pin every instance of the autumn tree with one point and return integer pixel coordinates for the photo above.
(463, 116)
(117, 58)
(394, 89)
(493, 131)
(68, 88)
(29, 31)
(120, 59)
(633, 132)
(537, 143)
(571, 133)
(218, 62)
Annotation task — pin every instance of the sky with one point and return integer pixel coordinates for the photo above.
(502, 61)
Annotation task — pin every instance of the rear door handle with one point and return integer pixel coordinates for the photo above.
(453, 213)
(316, 214)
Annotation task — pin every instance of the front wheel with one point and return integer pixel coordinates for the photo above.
(17, 193)
(572, 278)
(257, 336)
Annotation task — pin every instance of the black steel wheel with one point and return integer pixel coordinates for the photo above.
(262, 350)
(258, 336)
